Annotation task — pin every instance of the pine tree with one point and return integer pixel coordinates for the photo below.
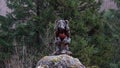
(30, 26)
(112, 17)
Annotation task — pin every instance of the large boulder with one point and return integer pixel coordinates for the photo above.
(59, 61)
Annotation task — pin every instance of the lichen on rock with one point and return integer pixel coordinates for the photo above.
(59, 61)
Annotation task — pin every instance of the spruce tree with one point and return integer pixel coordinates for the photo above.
(29, 30)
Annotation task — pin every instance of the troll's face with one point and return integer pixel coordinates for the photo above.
(61, 24)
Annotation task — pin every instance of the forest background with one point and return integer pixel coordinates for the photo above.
(27, 33)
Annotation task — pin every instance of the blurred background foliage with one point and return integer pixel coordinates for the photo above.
(27, 33)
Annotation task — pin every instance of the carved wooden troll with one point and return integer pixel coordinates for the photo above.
(62, 37)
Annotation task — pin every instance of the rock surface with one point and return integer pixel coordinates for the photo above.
(59, 61)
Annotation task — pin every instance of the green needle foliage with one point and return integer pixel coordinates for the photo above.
(28, 31)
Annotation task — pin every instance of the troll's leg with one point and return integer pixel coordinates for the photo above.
(67, 42)
(57, 44)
